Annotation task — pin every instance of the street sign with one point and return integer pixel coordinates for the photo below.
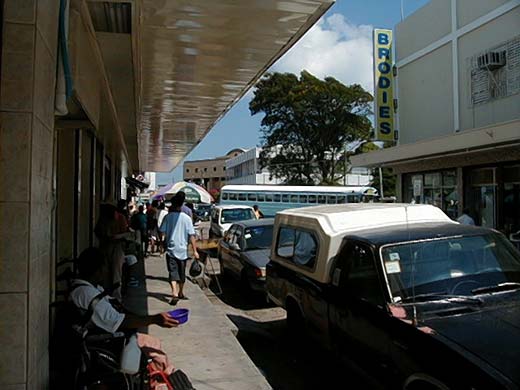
(383, 85)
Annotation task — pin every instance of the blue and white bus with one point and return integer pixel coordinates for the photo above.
(273, 198)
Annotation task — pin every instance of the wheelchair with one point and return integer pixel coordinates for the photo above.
(83, 358)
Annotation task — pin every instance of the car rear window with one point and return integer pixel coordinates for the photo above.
(297, 246)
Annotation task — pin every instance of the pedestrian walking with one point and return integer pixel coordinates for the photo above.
(111, 243)
(138, 222)
(160, 217)
(257, 211)
(153, 232)
(178, 231)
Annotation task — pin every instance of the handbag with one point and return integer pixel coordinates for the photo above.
(196, 269)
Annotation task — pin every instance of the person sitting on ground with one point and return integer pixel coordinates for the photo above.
(109, 319)
(257, 211)
(178, 231)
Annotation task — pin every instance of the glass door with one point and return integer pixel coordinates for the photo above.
(482, 197)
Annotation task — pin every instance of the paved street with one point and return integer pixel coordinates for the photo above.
(262, 334)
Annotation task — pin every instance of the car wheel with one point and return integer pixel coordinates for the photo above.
(244, 281)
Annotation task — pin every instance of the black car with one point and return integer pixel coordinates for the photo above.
(425, 306)
(244, 251)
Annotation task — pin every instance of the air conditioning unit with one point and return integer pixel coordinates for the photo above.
(491, 60)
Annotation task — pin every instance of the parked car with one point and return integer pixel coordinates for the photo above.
(222, 217)
(244, 251)
(403, 292)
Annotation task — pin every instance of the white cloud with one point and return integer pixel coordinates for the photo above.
(333, 47)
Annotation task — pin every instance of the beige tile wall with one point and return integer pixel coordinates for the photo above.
(26, 149)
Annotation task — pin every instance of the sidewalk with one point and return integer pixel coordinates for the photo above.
(205, 348)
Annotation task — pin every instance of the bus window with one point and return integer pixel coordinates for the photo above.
(268, 197)
(225, 196)
(285, 198)
(342, 199)
(251, 197)
(232, 196)
(260, 197)
(276, 197)
(353, 198)
(294, 198)
(241, 196)
(331, 199)
(312, 198)
(303, 198)
(322, 199)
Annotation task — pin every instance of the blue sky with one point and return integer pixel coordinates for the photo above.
(339, 46)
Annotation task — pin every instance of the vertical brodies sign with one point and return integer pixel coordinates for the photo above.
(383, 85)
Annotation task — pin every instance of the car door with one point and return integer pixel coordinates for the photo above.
(224, 246)
(358, 315)
(234, 251)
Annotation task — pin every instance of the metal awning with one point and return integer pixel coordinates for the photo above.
(471, 141)
(197, 58)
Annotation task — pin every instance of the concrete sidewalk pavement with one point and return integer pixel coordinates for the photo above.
(205, 348)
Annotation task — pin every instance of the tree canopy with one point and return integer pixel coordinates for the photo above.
(307, 123)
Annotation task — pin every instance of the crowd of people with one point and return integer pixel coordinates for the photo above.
(149, 228)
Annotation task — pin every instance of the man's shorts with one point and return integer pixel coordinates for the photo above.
(176, 269)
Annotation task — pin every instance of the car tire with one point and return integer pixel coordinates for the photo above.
(244, 282)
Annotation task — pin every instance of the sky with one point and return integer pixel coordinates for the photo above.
(339, 45)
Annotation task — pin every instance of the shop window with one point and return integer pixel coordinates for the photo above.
(435, 188)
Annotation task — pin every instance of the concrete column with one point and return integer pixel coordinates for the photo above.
(29, 51)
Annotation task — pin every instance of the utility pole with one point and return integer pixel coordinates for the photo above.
(345, 173)
(381, 182)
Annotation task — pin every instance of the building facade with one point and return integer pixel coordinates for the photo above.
(210, 173)
(93, 92)
(245, 169)
(458, 72)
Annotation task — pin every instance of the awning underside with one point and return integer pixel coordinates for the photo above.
(198, 57)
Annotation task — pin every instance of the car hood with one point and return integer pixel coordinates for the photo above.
(257, 257)
(492, 333)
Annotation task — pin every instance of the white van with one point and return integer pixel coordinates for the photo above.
(222, 217)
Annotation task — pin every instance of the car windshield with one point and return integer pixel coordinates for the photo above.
(450, 266)
(258, 237)
(235, 215)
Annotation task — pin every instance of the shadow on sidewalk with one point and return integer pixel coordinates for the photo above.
(290, 364)
(160, 278)
(234, 295)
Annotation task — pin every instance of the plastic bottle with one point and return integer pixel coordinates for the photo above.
(131, 356)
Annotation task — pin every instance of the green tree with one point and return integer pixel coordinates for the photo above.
(307, 123)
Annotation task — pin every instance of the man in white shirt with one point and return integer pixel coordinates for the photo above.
(178, 231)
(104, 315)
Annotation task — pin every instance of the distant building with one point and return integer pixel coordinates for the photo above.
(245, 169)
(210, 173)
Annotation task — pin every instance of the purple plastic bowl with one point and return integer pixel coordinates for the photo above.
(180, 315)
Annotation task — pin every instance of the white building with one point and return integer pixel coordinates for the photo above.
(245, 169)
(458, 67)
